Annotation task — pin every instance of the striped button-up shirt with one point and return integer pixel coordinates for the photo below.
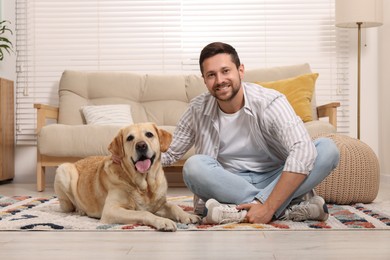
(278, 131)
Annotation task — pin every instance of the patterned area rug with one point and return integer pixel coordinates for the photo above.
(43, 213)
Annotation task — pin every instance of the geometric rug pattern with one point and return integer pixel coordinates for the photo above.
(25, 213)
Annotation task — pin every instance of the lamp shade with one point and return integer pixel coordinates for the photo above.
(367, 12)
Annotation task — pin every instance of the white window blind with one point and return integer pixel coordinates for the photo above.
(166, 36)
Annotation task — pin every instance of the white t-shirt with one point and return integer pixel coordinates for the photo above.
(238, 151)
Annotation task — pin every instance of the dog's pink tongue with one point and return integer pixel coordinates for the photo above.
(143, 166)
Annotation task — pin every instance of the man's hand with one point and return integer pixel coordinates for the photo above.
(263, 213)
(257, 213)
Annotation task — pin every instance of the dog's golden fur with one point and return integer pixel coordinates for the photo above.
(133, 191)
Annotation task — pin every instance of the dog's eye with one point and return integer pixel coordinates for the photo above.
(149, 134)
(130, 138)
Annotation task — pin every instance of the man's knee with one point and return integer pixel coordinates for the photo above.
(193, 167)
(328, 152)
(191, 163)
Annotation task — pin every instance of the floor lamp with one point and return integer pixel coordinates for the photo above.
(359, 14)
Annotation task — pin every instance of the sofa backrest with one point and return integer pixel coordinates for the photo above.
(157, 98)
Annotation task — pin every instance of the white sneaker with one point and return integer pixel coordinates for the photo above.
(304, 197)
(313, 209)
(218, 213)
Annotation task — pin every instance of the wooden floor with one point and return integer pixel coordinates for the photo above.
(193, 245)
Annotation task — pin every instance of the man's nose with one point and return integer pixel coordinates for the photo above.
(219, 78)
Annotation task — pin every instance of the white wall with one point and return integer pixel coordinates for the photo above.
(368, 85)
(384, 92)
(375, 125)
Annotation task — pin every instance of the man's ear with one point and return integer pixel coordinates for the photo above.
(164, 137)
(241, 71)
(116, 146)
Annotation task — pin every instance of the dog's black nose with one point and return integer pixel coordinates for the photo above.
(141, 146)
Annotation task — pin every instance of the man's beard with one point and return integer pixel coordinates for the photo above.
(235, 90)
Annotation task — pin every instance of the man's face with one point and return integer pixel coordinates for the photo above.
(222, 77)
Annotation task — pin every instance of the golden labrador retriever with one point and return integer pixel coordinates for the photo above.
(133, 191)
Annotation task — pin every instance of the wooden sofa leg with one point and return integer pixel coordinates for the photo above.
(40, 178)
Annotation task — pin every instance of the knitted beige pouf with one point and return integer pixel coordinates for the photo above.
(356, 178)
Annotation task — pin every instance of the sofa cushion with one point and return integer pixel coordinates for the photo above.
(163, 87)
(298, 91)
(108, 115)
(164, 112)
(281, 72)
(195, 86)
(79, 88)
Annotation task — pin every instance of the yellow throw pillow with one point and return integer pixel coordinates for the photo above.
(299, 91)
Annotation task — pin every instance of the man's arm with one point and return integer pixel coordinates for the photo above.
(183, 140)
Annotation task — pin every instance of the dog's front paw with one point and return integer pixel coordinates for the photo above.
(164, 224)
(187, 218)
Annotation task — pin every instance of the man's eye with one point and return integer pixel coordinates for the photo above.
(130, 138)
(149, 134)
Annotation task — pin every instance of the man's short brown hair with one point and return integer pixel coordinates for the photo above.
(215, 48)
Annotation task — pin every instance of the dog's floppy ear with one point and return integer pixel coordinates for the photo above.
(164, 137)
(116, 146)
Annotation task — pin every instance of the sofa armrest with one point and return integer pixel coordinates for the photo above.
(330, 111)
(45, 112)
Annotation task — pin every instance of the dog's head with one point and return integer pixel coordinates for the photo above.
(140, 145)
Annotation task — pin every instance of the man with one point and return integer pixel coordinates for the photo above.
(252, 150)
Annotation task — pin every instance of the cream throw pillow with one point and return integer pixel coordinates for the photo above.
(298, 91)
(108, 115)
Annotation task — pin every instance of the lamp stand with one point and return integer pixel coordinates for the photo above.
(358, 80)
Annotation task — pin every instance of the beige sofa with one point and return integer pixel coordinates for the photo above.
(157, 98)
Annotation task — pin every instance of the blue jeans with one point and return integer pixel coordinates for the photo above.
(205, 177)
